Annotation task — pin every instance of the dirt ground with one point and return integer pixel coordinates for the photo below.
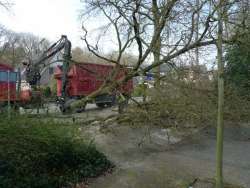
(149, 158)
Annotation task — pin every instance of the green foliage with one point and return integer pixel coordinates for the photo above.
(139, 90)
(237, 106)
(47, 154)
(47, 92)
(238, 65)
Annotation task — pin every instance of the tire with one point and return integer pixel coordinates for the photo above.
(109, 104)
(101, 105)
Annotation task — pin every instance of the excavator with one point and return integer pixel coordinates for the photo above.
(88, 78)
(34, 68)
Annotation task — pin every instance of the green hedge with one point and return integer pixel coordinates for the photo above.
(46, 154)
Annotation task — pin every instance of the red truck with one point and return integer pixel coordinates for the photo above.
(82, 80)
(8, 87)
(85, 78)
(73, 83)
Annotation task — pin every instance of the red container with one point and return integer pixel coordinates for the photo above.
(25, 96)
(4, 85)
(85, 78)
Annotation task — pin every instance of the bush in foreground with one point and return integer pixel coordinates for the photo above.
(45, 154)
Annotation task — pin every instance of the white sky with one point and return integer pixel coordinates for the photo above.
(50, 19)
(45, 18)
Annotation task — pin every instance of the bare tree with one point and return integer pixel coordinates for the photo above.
(3, 32)
(197, 32)
(139, 28)
(191, 24)
(32, 45)
(11, 52)
(156, 12)
(18, 47)
(6, 4)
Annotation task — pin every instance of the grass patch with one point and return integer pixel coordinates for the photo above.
(35, 153)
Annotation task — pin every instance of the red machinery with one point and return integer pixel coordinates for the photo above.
(85, 78)
(4, 84)
(73, 82)
(8, 86)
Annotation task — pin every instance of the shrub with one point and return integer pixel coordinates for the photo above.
(139, 90)
(237, 105)
(47, 92)
(36, 154)
(178, 102)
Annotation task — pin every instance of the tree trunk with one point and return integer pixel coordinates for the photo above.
(157, 52)
(197, 33)
(157, 47)
(220, 122)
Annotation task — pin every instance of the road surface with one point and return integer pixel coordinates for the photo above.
(152, 166)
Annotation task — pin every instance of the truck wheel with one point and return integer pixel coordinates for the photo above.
(109, 104)
(100, 105)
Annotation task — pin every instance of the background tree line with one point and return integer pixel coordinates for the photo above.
(16, 48)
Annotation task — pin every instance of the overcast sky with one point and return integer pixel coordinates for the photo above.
(51, 19)
(45, 18)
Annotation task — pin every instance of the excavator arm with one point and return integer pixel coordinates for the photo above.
(33, 70)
